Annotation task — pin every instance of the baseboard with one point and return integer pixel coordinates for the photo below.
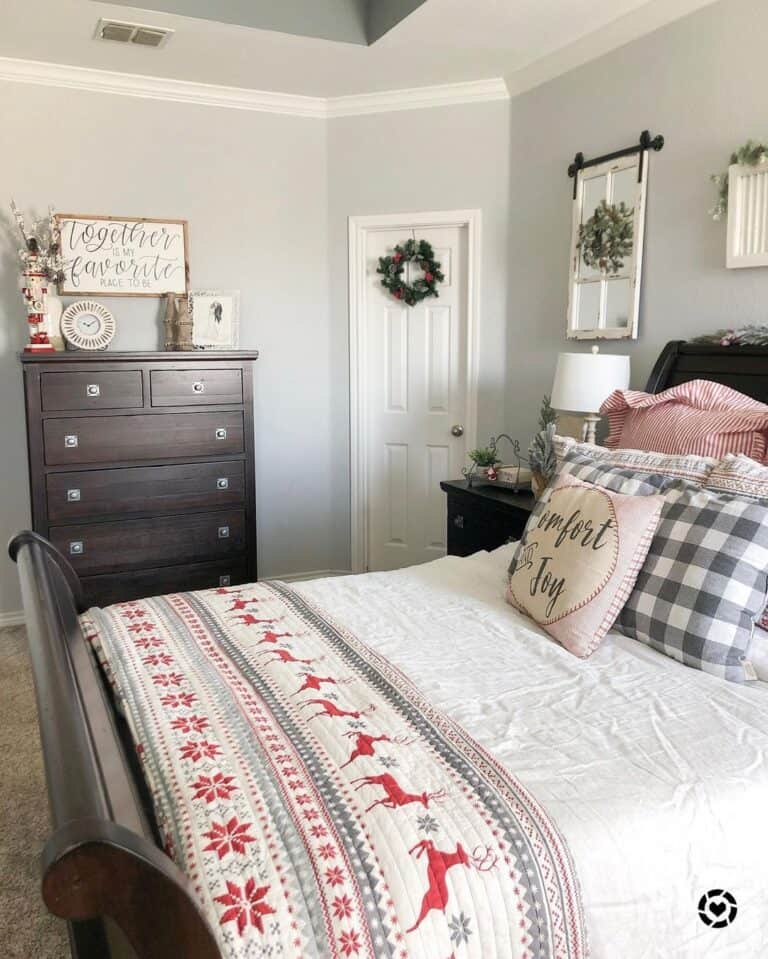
(312, 574)
(11, 619)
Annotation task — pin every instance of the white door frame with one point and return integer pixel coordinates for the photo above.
(359, 228)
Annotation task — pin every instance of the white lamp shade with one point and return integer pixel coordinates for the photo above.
(584, 380)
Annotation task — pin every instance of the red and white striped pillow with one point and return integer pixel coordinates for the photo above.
(699, 417)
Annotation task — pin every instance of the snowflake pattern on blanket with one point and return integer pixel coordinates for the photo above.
(321, 807)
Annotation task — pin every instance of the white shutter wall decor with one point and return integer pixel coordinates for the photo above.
(747, 216)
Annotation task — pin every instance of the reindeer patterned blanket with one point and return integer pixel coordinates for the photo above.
(321, 807)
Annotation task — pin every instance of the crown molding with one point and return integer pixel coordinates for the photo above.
(157, 88)
(239, 98)
(418, 98)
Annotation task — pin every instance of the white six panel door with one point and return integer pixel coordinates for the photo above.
(416, 394)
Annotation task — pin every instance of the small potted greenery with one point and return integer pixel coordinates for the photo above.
(484, 462)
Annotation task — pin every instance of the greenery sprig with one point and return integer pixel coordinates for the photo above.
(392, 269)
(606, 238)
(752, 335)
(752, 153)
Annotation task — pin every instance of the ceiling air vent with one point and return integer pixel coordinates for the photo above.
(138, 33)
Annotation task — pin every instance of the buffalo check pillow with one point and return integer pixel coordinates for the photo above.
(744, 477)
(704, 582)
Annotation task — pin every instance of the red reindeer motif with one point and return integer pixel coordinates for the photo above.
(438, 864)
(250, 620)
(243, 603)
(394, 795)
(332, 710)
(315, 682)
(282, 655)
(364, 745)
(270, 637)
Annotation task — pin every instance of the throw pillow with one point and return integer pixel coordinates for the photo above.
(699, 417)
(704, 581)
(578, 560)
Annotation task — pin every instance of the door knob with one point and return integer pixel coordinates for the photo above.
(457, 430)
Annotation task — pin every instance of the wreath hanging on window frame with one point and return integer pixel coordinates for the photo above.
(606, 238)
(392, 269)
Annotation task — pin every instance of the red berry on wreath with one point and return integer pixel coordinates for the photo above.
(428, 277)
(398, 294)
(397, 257)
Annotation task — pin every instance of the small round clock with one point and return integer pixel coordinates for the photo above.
(87, 325)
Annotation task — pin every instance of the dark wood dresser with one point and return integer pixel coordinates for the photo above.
(484, 516)
(141, 468)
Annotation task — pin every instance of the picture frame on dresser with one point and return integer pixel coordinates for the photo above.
(141, 468)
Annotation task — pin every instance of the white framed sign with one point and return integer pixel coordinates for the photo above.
(215, 316)
(123, 256)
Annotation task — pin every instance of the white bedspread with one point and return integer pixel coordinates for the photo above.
(656, 774)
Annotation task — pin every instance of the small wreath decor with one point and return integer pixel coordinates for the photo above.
(392, 269)
(606, 239)
(751, 154)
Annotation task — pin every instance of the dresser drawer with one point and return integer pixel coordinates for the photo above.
(94, 390)
(122, 587)
(76, 496)
(160, 541)
(196, 387)
(144, 436)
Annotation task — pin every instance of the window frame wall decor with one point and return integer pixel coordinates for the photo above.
(606, 278)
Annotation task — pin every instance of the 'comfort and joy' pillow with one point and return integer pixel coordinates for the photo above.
(698, 417)
(579, 558)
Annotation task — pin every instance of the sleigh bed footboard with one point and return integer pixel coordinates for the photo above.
(100, 861)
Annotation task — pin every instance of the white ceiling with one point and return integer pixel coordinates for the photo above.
(443, 41)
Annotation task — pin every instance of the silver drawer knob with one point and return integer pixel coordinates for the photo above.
(73, 495)
(93, 389)
(221, 434)
(457, 430)
(458, 521)
(223, 532)
(225, 580)
(76, 547)
(70, 441)
(198, 387)
(222, 483)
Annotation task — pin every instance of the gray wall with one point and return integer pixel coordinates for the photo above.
(268, 198)
(698, 82)
(254, 189)
(448, 158)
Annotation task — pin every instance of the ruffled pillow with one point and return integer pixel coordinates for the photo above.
(699, 417)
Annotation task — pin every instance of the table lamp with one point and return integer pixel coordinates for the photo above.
(584, 380)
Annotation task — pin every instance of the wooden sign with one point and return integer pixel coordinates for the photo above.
(123, 256)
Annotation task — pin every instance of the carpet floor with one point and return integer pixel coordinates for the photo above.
(27, 931)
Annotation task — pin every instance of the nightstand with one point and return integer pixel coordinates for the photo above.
(484, 517)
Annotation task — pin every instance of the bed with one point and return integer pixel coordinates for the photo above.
(636, 785)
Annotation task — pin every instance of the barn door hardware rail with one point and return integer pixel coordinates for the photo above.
(646, 142)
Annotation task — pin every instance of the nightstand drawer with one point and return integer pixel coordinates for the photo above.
(160, 541)
(479, 519)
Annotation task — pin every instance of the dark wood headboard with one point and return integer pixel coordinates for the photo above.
(743, 368)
